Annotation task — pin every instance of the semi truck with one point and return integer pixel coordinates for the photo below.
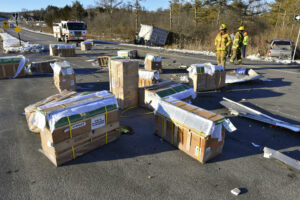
(151, 35)
(69, 31)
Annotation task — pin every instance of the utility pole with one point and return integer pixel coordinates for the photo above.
(136, 14)
(297, 18)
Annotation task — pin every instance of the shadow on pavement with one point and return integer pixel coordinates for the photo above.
(92, 86)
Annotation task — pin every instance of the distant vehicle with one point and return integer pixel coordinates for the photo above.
(69, 31)
(151, 35)
(281, 48)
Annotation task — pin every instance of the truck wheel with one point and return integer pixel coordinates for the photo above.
(57, 38)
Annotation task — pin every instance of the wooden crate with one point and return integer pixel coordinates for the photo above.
(103, 61)
(124, 82)
(194, 142)
(9, 67)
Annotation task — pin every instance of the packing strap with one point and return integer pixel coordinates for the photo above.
(105, 124)
(70, 131)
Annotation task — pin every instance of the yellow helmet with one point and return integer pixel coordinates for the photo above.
(222, 27)
(241, 28)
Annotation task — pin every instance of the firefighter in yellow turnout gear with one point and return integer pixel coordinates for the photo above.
(237, 45)
(222, 42)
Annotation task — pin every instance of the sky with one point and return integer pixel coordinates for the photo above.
(18, 5)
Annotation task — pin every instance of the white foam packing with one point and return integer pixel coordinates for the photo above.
(208, 68)
(148, 74)
(62, 67)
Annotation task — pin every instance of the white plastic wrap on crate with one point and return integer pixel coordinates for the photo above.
(179, 95)
(177, 114)
(63, 67)
(126, 53)
(21, 63)
(153, 58)
(208, 68)
(148, 74)
(62, 46)
(105, 98)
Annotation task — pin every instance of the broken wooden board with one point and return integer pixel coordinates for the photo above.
(232, 77)
(271, 153)
(244, 111)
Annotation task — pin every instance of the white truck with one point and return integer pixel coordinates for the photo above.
(70, 31)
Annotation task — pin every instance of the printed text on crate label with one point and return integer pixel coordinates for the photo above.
(98, 122)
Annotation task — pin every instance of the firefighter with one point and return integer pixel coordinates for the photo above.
(237, 45)
(222, 42)
(245, 43)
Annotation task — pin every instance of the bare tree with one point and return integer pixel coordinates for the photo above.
(109, 6)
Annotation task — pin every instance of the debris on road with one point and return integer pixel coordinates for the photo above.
(41, 67)
(86, 45)
(12, 66)
(62, 50)
(103, 61)
(32, 110)
(195, 131)
(245, 111)
(77, 125)
(123, 79)
(148, 77)
(64, 76)
(153, 62)
(127, 54)
(12, 45)
(150, 95)
(255, 145)
(205, 77)
(241, 75)
(271, 153)
(236, 191)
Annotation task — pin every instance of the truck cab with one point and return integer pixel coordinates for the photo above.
(70, 31)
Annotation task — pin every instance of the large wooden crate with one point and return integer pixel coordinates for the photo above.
(124, 82)
(103, 61)
(78, 125)
(61, 50)
(153, 62)
(42, 66)
(86, 45)
(150, 95)
(200, 80)
(9, 66)
(128, 54)
(64, 76)
(147, 77)
(32, 110)
(195, 131)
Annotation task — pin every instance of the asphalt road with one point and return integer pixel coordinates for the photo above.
(121, 169)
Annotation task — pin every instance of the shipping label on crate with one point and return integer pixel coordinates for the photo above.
(75, 126)
(98, 122)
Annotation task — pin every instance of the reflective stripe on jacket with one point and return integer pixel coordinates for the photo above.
(245, 40)
(222, 42)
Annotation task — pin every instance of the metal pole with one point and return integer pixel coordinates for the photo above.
(296, 45)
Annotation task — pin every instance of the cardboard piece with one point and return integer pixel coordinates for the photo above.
(202, 139)
(149, 95)
(147, 77)
(232, 77)
(62, 50)
(42, 66)
(271, 153)
(12, 66)
(31, 110)
(83, 123)
(128, 54)
(124, 82)
(64, 76)
(205, 77)
(153, 62)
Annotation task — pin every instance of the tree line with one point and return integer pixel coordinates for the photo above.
(193, 23)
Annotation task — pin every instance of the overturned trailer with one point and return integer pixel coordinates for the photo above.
(151, 35)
